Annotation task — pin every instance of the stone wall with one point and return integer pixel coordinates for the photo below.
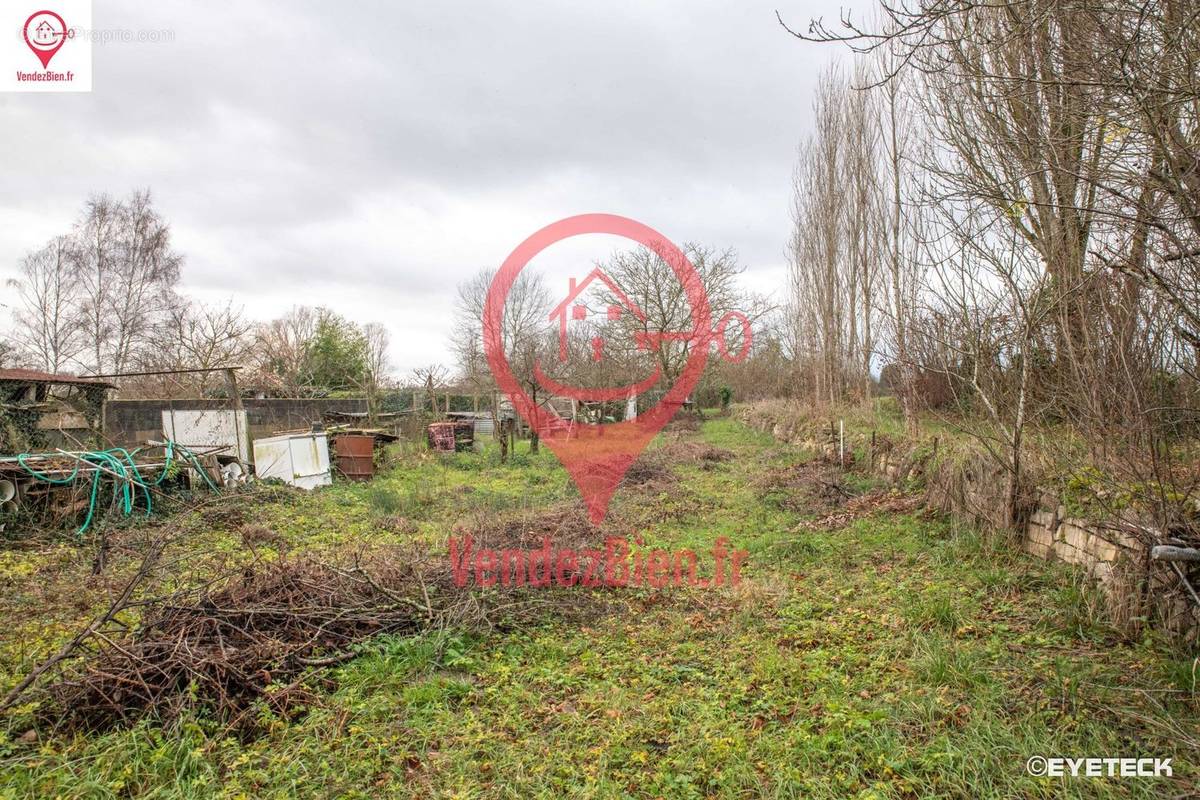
(968, 484)
(1097, 547)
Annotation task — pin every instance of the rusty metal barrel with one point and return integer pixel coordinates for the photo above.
(355, 456)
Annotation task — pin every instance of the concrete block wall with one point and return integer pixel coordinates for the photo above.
(128, 423)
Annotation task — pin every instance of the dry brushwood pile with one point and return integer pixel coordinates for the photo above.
(812, 486)
(254, 638)
(818, 487)
(248, 639)
(683, 422)
(706, 455)
(567, 525)
(876, 502)
(650, 470)
(653, 469)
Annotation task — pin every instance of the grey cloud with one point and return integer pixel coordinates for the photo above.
(402, 146)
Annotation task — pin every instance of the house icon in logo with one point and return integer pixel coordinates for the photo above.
(45, 33)
(579, 311)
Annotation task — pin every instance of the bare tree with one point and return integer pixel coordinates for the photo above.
(835, 252)
(142, 277)
(521, 332)
(466, 336)
(47, 323)
(378, 364)
(815, 249)
(998, 301)
(97, 250)
(864, 229)
(1067, 116)
(8, 354)
(281, 349)
(903, 234)
(431, 379)
(125, 271)
(652, 284)
(194, 336)
(524, 319)
(1060, 164)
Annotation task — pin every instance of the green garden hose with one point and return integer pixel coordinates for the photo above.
(120, 462)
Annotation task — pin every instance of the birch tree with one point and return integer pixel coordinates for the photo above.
(48, 321)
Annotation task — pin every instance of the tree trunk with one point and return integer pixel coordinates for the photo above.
(533, 434)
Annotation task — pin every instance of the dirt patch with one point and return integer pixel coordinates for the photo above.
(400, 524)
(228, 517)
(652, 470)
(255, 536)
(236, 509)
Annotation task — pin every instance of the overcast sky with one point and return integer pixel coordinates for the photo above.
(369, 159)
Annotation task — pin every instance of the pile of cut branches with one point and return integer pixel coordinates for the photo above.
(875, 502)
(253, 640)
(809, 487)
(684, 421)
(706, 455)
(567, 525)
(651, 470)
(248, 639)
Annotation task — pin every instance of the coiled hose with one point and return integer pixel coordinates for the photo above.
(120, 462)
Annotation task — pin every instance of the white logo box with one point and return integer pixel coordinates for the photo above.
(27, 28)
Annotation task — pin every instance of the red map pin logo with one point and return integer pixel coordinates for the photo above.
(597, 456)
(45, 33)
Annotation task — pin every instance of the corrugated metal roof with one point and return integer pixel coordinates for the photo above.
(34, 376)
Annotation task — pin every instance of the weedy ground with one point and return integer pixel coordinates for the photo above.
(879, 652)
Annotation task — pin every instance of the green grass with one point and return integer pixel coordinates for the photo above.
(896, 656)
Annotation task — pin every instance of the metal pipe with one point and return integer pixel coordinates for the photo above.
(161, 372)
(1166, 552)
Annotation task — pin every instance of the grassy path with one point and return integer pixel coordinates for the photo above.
(869, 654)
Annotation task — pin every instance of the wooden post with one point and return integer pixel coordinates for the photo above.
(533, 434)
(842, 443)
(235, 397)
(495, 414)
(99, 436)
(231, 386)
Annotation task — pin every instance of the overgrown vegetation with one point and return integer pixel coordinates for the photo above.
(996, 206)
(879, 653)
